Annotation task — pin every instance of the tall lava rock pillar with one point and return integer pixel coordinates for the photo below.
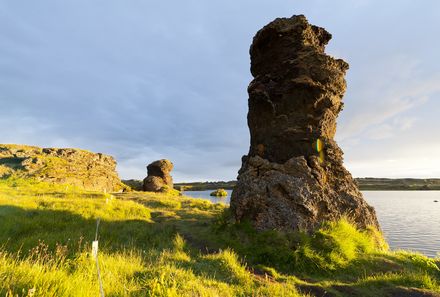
(293, 177)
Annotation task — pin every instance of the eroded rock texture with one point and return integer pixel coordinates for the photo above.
(159, 178)
(91, 171)
(293, 177)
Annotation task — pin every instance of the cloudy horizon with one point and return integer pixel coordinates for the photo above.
(144, 80)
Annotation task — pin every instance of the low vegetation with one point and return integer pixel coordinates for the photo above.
(219, 193)
(202, 186)
(401, 184)
(166, 245)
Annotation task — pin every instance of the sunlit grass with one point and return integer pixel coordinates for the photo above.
(166, 245)
(335, 246)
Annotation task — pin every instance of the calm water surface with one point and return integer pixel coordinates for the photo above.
(410, 220)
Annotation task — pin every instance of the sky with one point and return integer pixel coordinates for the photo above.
(143, 80)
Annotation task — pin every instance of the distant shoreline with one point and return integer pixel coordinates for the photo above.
(365, 184)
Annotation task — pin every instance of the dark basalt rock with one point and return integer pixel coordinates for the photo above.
(293, 177)
(159, 178)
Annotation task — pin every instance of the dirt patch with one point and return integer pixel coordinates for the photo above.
(314, 291)
(410, 292)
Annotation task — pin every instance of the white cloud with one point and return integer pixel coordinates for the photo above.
(399, 167)
(391, 129)
(378, 94)
(381, 132)
(414, 155)
(405, 123)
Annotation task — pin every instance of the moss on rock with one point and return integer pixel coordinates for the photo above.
(219, 193)
(76, 167)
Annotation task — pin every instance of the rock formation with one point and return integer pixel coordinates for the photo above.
(293, 177)
(64, 166)
(159, 178)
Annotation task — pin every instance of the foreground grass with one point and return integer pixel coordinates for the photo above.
(163, 245)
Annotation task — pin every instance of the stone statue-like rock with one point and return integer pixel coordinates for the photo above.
(293, 177)
(159, 178)
(91, 171)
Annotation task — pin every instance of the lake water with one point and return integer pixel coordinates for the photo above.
(410, 220)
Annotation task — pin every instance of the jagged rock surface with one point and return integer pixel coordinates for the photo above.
(90, 171)
(293, 177)
(159, 178)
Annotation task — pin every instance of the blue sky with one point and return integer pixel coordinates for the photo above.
(143, 80)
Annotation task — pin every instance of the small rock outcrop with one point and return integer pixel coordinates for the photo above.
(75, 167)
(159, 178)
(293, 177)
(219, 193)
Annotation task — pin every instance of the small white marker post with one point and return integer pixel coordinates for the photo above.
(95, 249)
(95, 242)
(95, 257)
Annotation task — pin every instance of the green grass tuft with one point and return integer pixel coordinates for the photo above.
(335, 245)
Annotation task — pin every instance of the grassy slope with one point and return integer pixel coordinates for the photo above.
(159, 245)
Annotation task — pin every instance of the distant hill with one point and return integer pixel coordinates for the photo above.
(365, 183)
(200, 186)
(383, 184)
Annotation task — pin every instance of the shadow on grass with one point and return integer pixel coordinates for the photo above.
(22, 229)
(73, 194)
(12, 162)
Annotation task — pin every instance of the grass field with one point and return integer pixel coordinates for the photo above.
(163, 245)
